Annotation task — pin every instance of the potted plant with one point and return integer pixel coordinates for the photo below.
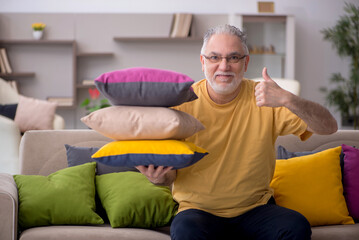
(38, 29)
(345, 39)
(94, 102)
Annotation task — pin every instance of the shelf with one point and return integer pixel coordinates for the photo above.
(157, 39)
(262, 18)
(17, 74)
(63, 102)
(96, 54)
(73, 107)
(35, 42)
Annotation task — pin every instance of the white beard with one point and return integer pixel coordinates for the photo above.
(223, 89)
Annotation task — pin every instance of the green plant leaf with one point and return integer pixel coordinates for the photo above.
(104, 101)
(85, 102)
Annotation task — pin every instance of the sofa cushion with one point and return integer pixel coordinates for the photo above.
(175, 153)
(98, 232)
(130, 200)
(80, 155)
(64, 197)
(283, 153)
(34, 114)
(146, 87)
(312, 185)
(351, 179)
(133, 122)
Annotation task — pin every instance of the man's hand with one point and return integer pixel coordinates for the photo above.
(317, 117)
(269, 94)
(160, 175)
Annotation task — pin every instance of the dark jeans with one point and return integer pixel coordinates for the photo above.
(264, 222)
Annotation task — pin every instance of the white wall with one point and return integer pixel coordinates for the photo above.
(315, 59)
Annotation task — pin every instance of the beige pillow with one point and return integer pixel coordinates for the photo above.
(34, 114)
(135, 122)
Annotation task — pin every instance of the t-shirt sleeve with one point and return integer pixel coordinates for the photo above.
(287, 123)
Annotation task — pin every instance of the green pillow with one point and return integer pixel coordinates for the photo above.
(64, 197)
(130, 200)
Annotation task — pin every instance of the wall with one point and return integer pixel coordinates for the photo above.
(315, 59)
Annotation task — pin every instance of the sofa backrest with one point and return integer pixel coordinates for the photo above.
(319, 142)
(43, 152)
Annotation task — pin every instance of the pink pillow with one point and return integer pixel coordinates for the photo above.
(34, 114)
(351, 179)
(146, 87)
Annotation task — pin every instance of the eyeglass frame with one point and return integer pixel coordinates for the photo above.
(227, 58)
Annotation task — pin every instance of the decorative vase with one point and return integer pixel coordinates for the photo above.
(37, 34)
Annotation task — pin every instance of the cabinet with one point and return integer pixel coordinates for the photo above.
(38, 72)
(89, 61)
(79, 47)
(9, 44)
(271, 41)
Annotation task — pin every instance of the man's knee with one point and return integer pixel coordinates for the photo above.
(192, 224)
(181, 226)
(296, 227)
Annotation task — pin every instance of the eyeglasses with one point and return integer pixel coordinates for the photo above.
(230, 59)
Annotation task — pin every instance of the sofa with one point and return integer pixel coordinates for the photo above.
(10, 131)
(42, 152)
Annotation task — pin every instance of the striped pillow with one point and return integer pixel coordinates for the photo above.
(175, 153)
(146, 87)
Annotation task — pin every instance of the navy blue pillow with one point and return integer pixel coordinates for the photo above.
(8, 110)
(80, 155)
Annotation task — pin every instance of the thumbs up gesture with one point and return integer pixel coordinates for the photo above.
(269, 94)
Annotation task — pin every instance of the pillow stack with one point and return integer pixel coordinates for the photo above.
(144, 129)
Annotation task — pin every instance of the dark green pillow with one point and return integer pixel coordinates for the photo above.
(130, 200)
(64, 197)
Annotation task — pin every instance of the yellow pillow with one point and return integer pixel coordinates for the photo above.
(312, 186)
(175, 153)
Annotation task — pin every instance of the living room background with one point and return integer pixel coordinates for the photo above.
(315, 60)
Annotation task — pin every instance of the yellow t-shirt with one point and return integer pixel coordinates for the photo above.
(239, 136)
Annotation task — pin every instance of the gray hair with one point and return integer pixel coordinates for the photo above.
(225, 29)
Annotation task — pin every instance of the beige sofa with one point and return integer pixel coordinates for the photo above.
(43, 152)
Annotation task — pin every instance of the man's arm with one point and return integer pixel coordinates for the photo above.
(163, 176)
(317, 117)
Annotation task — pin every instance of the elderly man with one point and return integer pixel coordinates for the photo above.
(226, 195)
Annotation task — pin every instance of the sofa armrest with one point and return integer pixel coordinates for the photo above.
(8, 207)
(9, 146)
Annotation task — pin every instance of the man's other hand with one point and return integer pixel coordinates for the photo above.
(156, 175)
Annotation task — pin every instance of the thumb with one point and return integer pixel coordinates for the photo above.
(265, 75)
